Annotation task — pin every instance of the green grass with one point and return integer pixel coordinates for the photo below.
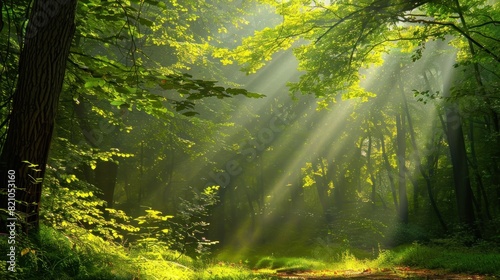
(453, 260)
(460, 260)
(53, 255)
(231, 271)
(296, 263)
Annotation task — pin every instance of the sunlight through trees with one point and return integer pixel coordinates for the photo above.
(263, 139)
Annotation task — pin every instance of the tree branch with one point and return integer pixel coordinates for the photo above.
(459, 30)
(494, 22)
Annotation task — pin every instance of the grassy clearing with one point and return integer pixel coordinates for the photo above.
(454, 260)
(473, 260)
(56, 256)
(232, 271)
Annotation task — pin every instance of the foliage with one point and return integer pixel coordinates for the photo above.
(152, 231)
(72, 204)
(151, 59)
(406, 234)
(54, 255)
(189, 228)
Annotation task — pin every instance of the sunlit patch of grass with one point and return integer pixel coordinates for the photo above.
(161, 269)
(274, 263)
(350, 262)
(231, 271)
(458, 260)
(438, 257)
(337, 253)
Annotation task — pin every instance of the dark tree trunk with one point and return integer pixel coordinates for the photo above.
(369, 167)
(105, 180)
(458, 154)
(481, 193)
(42, 66)
(322, 189)
(418, 163)
(389, 172)
(456, 142)
(469, 217)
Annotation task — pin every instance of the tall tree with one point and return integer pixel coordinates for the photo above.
(42, 67)
(341, 37)
(107, 27)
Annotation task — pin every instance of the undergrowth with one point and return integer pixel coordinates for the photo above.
(54, 255)
(473, 260)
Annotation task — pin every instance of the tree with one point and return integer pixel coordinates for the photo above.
(42, 66)
(334, 41)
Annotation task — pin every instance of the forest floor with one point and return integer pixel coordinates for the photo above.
(395, 273)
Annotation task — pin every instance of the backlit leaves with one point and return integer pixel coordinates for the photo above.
(338, 39)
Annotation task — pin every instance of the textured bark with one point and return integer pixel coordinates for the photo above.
(42, 66)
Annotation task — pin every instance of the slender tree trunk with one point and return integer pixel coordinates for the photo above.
(251, 208)
(481, 193)
(389, 172)
(369, 167)
(218, 218)
(297, 193)
(458, 154)
(322, 189)
(495, 120)
(418, 163)
(105, 179)
(401, 151)
(42, 66)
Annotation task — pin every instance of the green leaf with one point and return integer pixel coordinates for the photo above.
(117, 102)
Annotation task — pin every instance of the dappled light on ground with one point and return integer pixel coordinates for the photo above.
(386, 273)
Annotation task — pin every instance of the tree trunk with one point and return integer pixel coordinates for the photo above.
(458, 154)
(401, 150)
(389, 172)
(481, 92)
(369, 168)
(322, 189)
(42, 66)
(105, 180)
(481, 193)
(418, 163)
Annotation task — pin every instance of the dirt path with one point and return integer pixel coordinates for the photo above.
(395, 273)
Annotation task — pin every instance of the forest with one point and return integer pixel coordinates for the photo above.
(249, 139)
